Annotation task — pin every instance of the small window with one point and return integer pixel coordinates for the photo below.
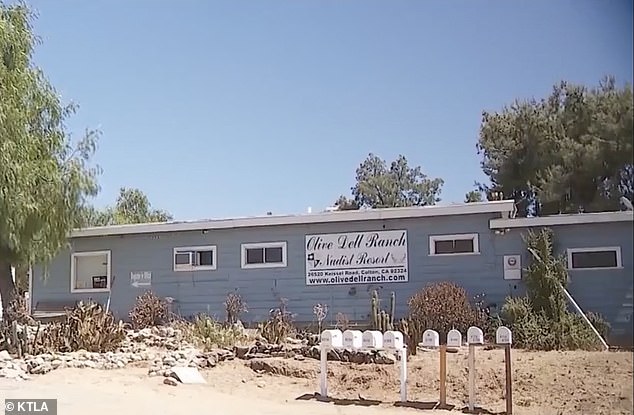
(264, 255)
(594, 258)
(454, 244)
(195, 258)
(90, 271)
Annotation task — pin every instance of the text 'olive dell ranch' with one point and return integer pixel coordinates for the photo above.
(372, 240)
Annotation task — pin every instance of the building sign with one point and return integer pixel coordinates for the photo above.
(356, 258)
(141, 279)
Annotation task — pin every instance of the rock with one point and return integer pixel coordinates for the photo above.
(241, 351)
(260, 384)
(41, 369)
(10, 373)
(5, 356)
(385, 358)
(170, 381)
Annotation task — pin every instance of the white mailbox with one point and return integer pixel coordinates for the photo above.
(332, 339)
(352, 339)
(431, 338)
(454, 338)
(372, 339)
(503, 335)
(475, 335)
(393, 340)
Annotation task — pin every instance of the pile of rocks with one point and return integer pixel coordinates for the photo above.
(296, 349)
(163, 337)
(190, 357)
(165, 348)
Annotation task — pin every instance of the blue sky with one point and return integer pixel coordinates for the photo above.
(231, 108)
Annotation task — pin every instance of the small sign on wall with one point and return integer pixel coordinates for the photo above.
(512, 267)
(141, 279)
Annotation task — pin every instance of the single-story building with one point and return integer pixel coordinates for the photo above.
(338, 259)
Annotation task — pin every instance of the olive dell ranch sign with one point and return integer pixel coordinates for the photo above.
(356, 258)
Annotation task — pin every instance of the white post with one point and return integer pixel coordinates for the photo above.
(323, 372)
(403, 355)
(585, 318)
(471, 377)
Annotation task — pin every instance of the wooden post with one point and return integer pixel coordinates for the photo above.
(509, 380)
(443, 376)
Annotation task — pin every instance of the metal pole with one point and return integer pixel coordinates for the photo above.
(471, 377)
(323, 372)
(443, 376)
(403, 353)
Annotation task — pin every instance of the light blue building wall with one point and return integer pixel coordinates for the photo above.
(418, 245)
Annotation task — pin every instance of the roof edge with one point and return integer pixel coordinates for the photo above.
(564, 219)
(505, 208)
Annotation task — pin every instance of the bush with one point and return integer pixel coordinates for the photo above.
(280, 325)
(541, 320)
(149, 310)
(235, 306)
(208, 333)
(603, 327)
(444, 306)
(85, 327)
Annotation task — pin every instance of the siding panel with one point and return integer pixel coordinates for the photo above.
(607, 292)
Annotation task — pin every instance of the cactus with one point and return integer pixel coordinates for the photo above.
(392, 308)
(375, 310)
(381, 319)
(412, 334)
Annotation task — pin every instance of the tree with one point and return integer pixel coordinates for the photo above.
(132, 206)
(397, 185)
(45, 179)
(473, 196)
(569, 152)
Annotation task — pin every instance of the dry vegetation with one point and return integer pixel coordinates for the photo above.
(561, 379)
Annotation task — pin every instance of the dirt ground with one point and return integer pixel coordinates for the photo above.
(544, 384)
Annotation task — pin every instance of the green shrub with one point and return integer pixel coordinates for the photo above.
(208, 333)
(149, 310)
(603, 327)
(541, 320)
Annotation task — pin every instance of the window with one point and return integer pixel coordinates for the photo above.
(90, 271)
(454, 244)
(264, 255)
(594, 258)
(195, 258)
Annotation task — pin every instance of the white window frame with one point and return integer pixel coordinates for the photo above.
(190, 267)
(73, 276)
(437, 238)
(617, 249)
(246, 246)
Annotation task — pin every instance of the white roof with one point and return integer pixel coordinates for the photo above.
(506, 209)
(563, 219)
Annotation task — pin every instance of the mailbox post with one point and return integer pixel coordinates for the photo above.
(454, 340)
(330, 339)
(393, 341)
(357, 340)
(503, 336)
(474, 337)
(431, 339)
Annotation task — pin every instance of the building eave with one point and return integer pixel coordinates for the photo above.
(504, 207)
(567, 219)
